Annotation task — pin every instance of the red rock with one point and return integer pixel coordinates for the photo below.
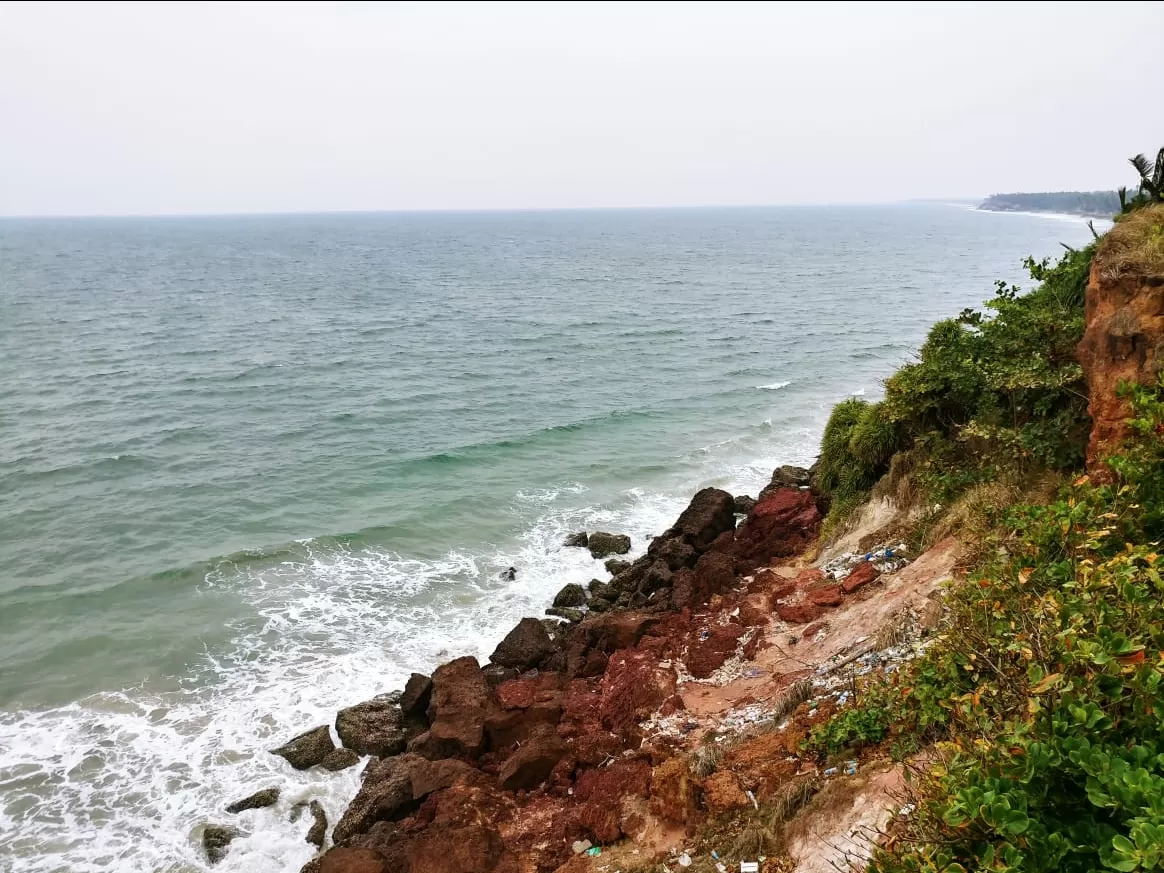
(457, 709)
(798, 613)
(524, 646)
(341, 860)
(417, 692)
(633, 687)
(860, 576)
(722, 793)
(672, 705)
(532, 764)
(385, 794)
(601, 821)
(612, 631)
(674, 794)
(828, 595)
(517, 693)
(429, 776)
(811, 577)
(470, 848)
(781, 525)
(608, 785)
(506, 727)
(706, 656)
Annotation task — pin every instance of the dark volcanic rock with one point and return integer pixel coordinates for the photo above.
(714, 573)
(340, 759)
(307, 749)
(710, 513)
(386, 794)
(744, 504)
(786, 477)
(216, 841)
(374, 727)
(524, 646)
(675, 553)
(457, 709)
(614, 566)
(781, 525)
(598, 588)
(417, 691)
(599, 604)
(571, 615)
(318, 829)
(571, 595)
(265, 797)
(602, 544)
(577, 540)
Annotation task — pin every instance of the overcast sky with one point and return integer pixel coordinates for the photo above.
(142, 108)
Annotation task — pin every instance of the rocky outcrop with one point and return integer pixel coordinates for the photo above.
(787, 477)
(374, 727)
(712, 512)
(385, 794)
(318, 830)
(457, 709)
(416, 694)
(602, 544)
(577, 540)
(524, 646)
(781, 525)
(216, 840)
(744, 504)
(258, 800)
(340, 759)
(572, 595)
(1123, 338)
(307, 749)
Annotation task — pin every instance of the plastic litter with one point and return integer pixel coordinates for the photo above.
(749, 867)
(831, 771)
(720, 867)
(684, 860)
(594, 851)
(752, 798)
(850, 768)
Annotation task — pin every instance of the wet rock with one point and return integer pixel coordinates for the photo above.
(599, 604)
(216, 841)
(602, 544)
(524, 646)
(312, 866)
(571, 595)
(415, 697)
(577, 540)
(531, 765)
(318, 829)
(614, 566)
(605, 590)
(349, 860)
(495, 674)
(743, 504)
(711, 512)
(781, 525)
(385, 794)
(374, 727)
(258, 800)
(861, 575)
(570, 615)
(307, 749)
(457, 708)
(340, 759)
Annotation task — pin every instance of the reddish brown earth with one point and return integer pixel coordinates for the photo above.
(591, 741)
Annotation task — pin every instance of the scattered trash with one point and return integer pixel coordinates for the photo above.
(887, 559)
(850, 768)
(715, 854)
(684, 860)
(720, 867)
(749, 867)
(594, 851)
(752, 798)
(907, 810)
(831, 771)
(580, 846)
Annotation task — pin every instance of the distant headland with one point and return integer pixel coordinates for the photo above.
(1096, 204)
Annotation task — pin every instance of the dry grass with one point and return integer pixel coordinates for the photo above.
(1135, 246)
(705, 760)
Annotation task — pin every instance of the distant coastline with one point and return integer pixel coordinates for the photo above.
(1088, 204)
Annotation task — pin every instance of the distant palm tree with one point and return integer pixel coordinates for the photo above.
(1151, 176)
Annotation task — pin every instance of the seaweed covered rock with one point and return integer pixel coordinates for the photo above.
(374, 727)
(307, 749)
(602, 544)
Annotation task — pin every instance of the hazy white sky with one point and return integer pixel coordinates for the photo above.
(144, 108)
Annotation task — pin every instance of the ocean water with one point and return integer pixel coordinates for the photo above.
(253, 469)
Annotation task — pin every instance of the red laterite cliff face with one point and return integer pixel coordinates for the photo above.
(1124, 336)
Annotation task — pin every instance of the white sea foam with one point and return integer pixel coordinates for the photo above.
(773, 386)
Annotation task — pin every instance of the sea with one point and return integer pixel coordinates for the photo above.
(254, 469)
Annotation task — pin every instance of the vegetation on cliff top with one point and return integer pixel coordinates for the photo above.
(1042, 706)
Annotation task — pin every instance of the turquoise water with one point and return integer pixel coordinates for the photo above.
(256, 468)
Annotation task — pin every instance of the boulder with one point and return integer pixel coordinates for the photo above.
(675, 553)
(605, 590)
(258, 800)
(340, 759)
(633, 686)
(430, 776)
(787, 477)
(860, 576)
(349, 860)
(571, 615)
(743, 504)
(602, 544)
(674, 792)
(307, 749)
(374, 727)
(599, 604)
(531, 765)
(469, 848)
(571, 595)
(826, 595)
(524, 646)
(614, 566)
(318, 829)
(722, 793)
(784, 523)
(216, 841)
(577, 540)
(617, 630)
(798, 613)
(457, 709)
(416, 694)
(711, 512)
(384, 795)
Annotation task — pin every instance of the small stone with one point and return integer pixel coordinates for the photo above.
(571, 595)
(602, 544)
(340, 759)
(258, 800)
(577, 540)
(318, 829)
(307, 749)
(571, 615)
(216, 841)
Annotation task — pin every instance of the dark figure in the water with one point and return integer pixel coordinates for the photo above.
(510, 574)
